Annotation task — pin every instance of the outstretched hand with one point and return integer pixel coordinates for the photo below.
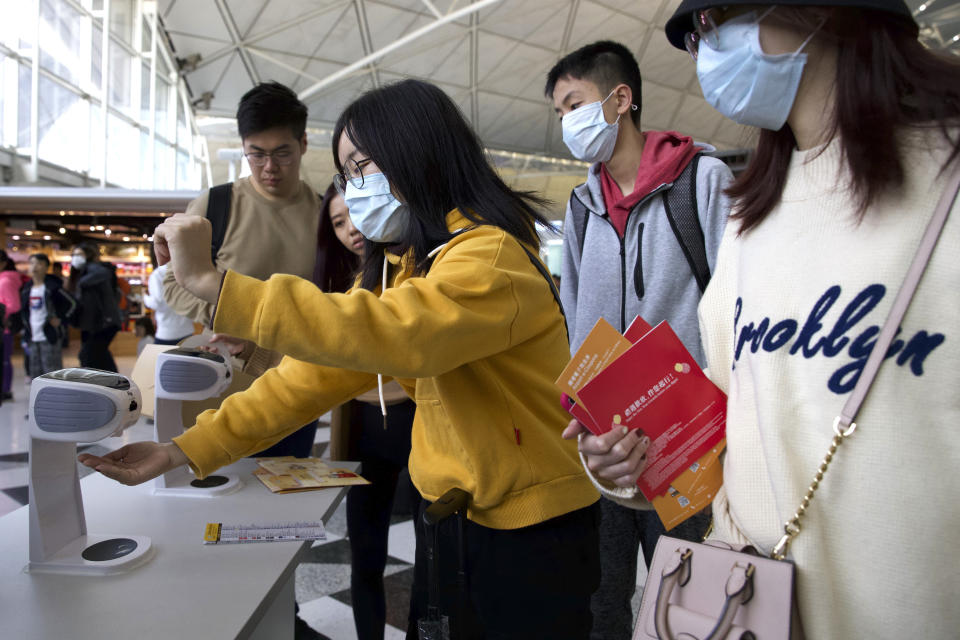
(184, 241)
(619, 455)
(137, 462)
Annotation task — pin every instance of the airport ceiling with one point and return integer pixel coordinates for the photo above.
(492, 61)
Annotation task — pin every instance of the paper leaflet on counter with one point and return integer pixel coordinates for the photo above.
(287, 474)
(647, 379)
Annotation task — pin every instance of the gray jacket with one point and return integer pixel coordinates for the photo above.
(646, 272)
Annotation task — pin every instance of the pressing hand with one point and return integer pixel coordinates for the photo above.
(184, 241)
(137, 462)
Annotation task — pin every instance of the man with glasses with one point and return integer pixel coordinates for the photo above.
(269, 220)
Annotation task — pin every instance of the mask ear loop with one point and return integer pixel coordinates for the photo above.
(633, 107)
(816, 30)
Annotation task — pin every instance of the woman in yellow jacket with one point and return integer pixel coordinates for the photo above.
(452, 304)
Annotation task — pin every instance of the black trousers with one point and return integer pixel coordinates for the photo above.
(383, 455)
(298, 444)
(527, 583)
(95, 349)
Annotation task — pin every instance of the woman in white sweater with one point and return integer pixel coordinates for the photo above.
(858, 136)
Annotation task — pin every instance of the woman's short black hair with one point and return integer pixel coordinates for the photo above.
(269, 105)
(90, 250)
(42, 257)
(435, 162)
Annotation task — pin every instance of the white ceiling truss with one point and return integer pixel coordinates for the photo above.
(490, 56)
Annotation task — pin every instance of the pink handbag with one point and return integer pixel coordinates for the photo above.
(714, 592)
(711, 593)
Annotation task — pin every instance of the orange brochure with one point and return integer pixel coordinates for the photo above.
(602, 345)
(656, 386)
(692, 490)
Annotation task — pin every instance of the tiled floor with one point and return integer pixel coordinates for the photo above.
(322, 580)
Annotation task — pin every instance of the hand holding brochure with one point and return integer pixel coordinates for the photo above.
(657, 386)
(646, 379)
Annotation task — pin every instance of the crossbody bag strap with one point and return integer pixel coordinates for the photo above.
(843, 424)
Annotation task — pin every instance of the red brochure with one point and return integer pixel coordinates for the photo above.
(657, 386)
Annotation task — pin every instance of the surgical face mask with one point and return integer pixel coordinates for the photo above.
(375, 212)
(587, 133)
(742, 82)
(78, 262)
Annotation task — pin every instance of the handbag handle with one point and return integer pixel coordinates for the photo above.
(843, 424)
(739, 590)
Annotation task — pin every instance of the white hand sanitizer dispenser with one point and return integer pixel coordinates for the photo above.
(67, 407)
(188, 374)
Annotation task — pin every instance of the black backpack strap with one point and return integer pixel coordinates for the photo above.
(218, 213)
(580, 217)
(680, 203)
(553, 287)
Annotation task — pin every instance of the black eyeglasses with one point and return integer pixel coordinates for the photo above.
(283, 158)
(352, 173)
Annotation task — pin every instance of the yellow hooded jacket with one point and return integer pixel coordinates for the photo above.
(477, 343)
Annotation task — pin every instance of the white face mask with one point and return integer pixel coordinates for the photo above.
(745, 84)
(587, 133)
(374, 210)
(78, 262)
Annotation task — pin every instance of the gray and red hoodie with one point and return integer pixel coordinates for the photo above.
(631, 262)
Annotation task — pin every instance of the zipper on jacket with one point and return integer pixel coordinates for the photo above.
(638, 268)
(623, 284)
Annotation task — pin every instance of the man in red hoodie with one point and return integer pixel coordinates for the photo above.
(640, 238)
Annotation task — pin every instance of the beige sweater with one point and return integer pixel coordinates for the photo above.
(263, 237)
(787, 321)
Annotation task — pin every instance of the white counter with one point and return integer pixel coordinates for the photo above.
(187, 589)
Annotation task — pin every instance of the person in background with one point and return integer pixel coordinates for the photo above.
(452, 302)
(10, 283)
(171, 326)
(624, 257)
(56, 270)
(145, 331)
(46, 310)
(360, 432)
(92, 284)
(859, 134)
(271, 224)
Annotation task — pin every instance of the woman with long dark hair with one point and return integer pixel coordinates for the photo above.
(456, 306)
(858, 137)
(360, 432)
(98, 318)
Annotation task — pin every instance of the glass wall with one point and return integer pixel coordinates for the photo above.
(145, 138)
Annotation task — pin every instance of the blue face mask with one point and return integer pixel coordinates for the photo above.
(742, 82)
(587, 133)
(374, 211)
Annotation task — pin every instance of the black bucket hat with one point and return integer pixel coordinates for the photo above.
(681, 22)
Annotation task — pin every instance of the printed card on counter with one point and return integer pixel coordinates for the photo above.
(656, 385)
(288, 474)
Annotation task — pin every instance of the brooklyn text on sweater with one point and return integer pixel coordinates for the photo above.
(812, 337)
